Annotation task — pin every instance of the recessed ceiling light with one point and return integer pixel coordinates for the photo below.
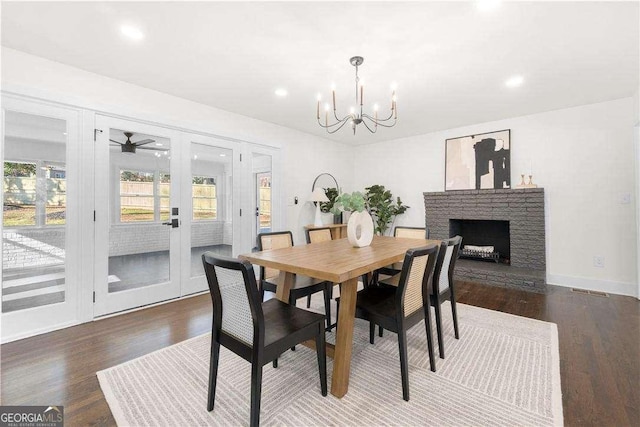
(158, 144)
(132, 32)
(223, 155)
(487, 4)
(281, 92)
(514, 81)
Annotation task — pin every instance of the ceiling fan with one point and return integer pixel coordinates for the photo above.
(130, 147)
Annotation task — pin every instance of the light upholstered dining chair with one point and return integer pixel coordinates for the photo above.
(403, 306)
(254, 330)
(303, 286)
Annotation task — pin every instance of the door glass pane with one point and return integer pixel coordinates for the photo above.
(264, 202)
(211, 203)
(139, 191)
(261, 170)
(34, 187)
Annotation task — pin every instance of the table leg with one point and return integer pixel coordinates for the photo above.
(285, 282)
(344, 339)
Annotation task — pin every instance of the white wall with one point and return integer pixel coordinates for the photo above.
(304, 156)
(584, 159)
(582, 156)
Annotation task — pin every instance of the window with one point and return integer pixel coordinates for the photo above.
(144, 196)
(56, 202)
(137, 196)
(35, 194)
(19, 187)
(204, 198)
(164, 193)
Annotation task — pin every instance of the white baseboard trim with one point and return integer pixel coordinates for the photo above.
(29, 334)
(144, 307)
(611, 287)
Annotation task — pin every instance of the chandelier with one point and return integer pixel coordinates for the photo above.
(354, 117)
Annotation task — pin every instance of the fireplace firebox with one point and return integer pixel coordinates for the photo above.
(483, 233)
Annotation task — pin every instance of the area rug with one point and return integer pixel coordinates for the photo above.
(504, 370)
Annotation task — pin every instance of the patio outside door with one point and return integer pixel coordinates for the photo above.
(137, 215)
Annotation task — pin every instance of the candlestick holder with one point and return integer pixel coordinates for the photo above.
(524, 184)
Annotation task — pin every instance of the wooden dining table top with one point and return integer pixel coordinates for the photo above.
(337, 260)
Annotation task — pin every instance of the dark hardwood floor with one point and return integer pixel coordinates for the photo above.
(599, 352)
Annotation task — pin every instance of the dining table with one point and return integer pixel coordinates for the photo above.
(338, 262)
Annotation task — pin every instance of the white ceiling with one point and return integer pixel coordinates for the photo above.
(449, 59)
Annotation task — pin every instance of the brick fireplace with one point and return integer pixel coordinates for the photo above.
(522, 209)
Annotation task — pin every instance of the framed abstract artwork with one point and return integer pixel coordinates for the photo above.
(480, 161)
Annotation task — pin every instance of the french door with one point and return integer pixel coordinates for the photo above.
(163, 198)
(210, 205)
(41, 217)
(138, 213)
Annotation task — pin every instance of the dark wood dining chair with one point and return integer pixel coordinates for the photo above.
(254, 330)
(402, 232)
(303, 286)
(318, 235)
(443, 286)
(399, 308)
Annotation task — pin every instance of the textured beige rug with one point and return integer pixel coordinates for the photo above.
(504, 370)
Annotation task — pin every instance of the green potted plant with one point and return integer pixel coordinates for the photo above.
(349, 202)
(382, 207)
(327, 207)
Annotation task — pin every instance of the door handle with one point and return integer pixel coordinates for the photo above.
(174, 223)
(257, 211)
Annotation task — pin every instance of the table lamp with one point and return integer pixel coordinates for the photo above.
(318, 196)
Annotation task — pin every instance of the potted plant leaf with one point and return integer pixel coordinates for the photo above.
(327, 207)
(382, 207)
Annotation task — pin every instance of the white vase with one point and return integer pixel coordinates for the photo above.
(360, 229)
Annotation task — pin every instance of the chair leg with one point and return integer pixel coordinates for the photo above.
(256, 391)
(322, 359)
(372, 332)
(438, 310)
(275, 363)
(213, 372)
(404, 363)
(454, 313)
(327, 305)
(308, 301)
(427, 325)
(293, 303)
(380, 331)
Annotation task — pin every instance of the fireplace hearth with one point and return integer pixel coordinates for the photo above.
(510, 220)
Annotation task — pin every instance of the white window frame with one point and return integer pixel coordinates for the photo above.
(219, 208)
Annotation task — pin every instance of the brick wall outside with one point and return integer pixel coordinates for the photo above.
(32, 247)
